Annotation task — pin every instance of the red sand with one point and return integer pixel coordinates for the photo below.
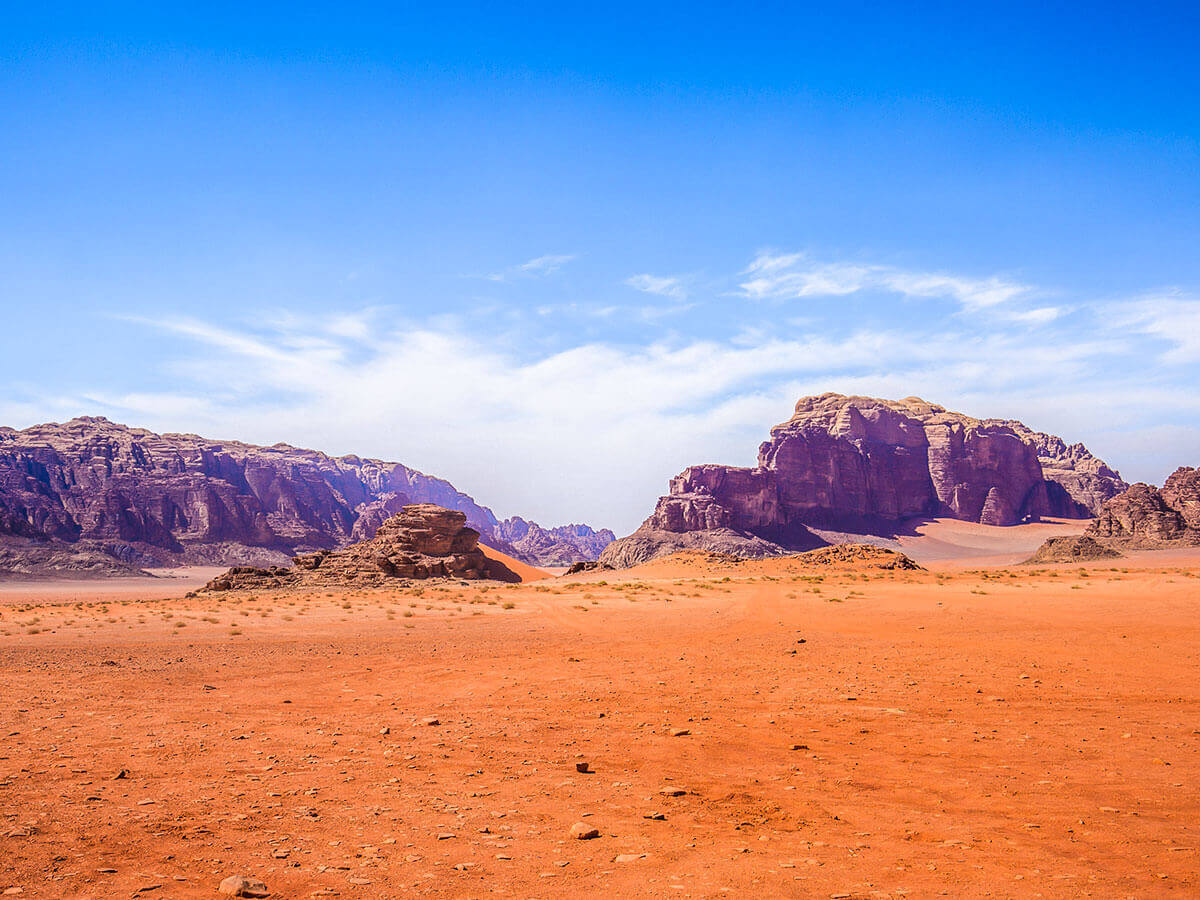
(522, 570)
(1002, 733)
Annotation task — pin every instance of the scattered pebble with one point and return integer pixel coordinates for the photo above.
(581, 831)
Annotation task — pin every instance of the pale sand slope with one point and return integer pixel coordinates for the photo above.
(166, 583)
(950, 541)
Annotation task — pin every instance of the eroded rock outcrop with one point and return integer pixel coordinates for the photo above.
(861, 465)
(421, 541)
(180, 498)
(1071, 549)
(1145, 517)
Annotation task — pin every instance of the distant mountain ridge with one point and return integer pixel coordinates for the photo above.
(861, 465)
(149, 499)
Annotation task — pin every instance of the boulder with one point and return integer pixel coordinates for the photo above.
(242, 886)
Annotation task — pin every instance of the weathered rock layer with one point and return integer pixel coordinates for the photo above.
(1144, 517)
(861, 465)
(1071, 549)
(421, 541)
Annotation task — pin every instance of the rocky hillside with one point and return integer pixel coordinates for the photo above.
(149, 499)
(1145, 517)
(861, 465)
(559, 546)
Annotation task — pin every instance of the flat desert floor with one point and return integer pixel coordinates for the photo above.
(754, 729)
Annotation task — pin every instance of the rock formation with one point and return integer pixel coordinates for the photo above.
(861, 465)
(25, 559)
(1144, 517)
(175, 499)
(421, 541)
(858, 555)
(1071, 549)
(1077, 483)
(650, 543)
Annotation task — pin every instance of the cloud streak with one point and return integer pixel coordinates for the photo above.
(1171, 317)
(538, 267)
(794, 276)
(672, 288)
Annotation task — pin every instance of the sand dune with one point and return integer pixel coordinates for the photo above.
(522, 570)
(950, 541)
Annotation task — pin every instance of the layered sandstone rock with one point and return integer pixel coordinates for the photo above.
(1077, 482)
(177, 499)
(1182, 493)
(1071, 549)
(1148, 518)
(421, 541)
(862, 465)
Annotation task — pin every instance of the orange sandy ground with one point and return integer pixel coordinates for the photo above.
(972, 733)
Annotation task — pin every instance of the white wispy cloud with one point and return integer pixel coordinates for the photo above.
(538, 267)
(1172, 317)
(673, 288)
(795, 276)
(544, 265)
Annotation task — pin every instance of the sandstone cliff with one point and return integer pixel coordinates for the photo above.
(862, 465)
(1077, 482)
(171, 499)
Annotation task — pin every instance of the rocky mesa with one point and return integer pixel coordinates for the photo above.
(147, 499)
(862, 465)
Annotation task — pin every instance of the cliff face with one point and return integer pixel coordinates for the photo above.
(1077, 483)
(165, 499)
(857, 464)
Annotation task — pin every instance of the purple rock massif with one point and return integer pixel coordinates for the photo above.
(148, 499)
(862, 465)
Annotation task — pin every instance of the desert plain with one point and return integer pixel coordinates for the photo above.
(977, 728)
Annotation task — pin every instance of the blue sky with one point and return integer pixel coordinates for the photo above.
(555, 254)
